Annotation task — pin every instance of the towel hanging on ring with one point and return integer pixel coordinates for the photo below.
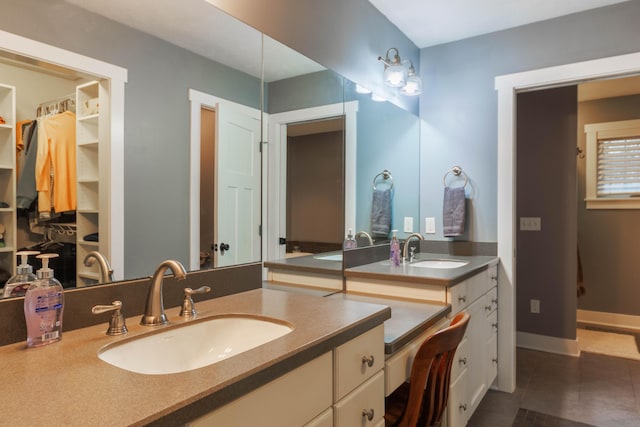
(454, 206)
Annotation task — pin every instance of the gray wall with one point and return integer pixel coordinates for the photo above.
(458, 108)
(546, 186)
(608, 239)
(156, 167)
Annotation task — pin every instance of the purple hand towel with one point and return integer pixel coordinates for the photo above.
(381, 213)
(453, 212)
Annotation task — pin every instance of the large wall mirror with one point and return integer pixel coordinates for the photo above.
(157, 128)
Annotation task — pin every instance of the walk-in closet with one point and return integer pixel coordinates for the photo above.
(53, 154)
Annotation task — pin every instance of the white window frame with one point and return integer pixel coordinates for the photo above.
(600, 131)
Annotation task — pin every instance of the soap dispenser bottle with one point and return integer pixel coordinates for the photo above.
(43, 306)
(394, 251)
(18, 284)
(350, 242)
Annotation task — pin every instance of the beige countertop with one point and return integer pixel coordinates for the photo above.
(384, 270)
(65, 383)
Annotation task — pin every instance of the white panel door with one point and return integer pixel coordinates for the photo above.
(237, 187)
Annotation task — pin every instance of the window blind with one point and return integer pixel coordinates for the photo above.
(618, 167)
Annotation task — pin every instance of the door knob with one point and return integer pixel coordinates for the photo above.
(223, 247)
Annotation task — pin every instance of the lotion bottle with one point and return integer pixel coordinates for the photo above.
(394, 251)
(18, 284)
(350, 242)
(43, 306)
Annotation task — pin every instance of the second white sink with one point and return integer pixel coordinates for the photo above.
(192, 346)
(439, 263)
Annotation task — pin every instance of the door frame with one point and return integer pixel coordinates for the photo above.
(507, 86)
(118, 77)
(277, 171)
(198, 100)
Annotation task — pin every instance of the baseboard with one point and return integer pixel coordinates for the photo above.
(611, 320)
(548, 344)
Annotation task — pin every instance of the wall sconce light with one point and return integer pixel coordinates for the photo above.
(396, 75)
(413, 86)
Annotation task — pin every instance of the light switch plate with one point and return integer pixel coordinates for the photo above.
(408, 224)
(534, 306)
(530, 223)
(430, 225)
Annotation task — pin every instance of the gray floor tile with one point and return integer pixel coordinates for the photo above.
(593, 390)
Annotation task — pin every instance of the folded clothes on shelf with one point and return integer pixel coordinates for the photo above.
(93, 237)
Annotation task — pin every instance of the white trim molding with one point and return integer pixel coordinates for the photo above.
(507, 87)
(277, 171)
(548, 344)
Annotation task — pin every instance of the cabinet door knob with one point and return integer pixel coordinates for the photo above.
(495, 360)
(369, 413)
(494, 278)
(462, 299)
(495, 325)
(463, 406)
(463, 360)
(494, 301)
(488, 307)
(368, 360)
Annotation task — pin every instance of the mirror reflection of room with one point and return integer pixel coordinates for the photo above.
(315, 186)
(47, 106)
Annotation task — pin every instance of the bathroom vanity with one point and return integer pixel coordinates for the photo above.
(338, 343)
(424, 296)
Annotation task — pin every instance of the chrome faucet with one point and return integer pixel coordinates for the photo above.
(154, 310)
(364, 234)
(106, 272)
(406, 244)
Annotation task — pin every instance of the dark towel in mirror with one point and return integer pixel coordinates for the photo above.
(453, 212)
(381, 212)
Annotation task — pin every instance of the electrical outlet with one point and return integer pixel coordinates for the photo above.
(530, 223)
(430, 225)
(408, 224)
(535, 306)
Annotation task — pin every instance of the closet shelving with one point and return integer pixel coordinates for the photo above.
(8, 176)
(90, 137)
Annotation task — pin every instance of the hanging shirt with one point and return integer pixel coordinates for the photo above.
(26, 191)
(56, 163)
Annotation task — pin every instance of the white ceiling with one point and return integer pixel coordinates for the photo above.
(432, 22)
(197, 26)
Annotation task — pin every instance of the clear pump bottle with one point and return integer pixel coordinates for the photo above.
(350, 242)
(18, 284)
(394, 251)
(43, 306)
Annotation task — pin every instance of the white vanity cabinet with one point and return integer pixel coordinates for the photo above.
(8, 177)
(343, 387)
(476, 358)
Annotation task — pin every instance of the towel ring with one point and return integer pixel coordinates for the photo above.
(385, 175)
(457, 171)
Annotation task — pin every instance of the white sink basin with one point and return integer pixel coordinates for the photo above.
(439, 263)
(329, 257)
(193, 345)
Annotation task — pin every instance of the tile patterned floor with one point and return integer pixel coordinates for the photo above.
(593, 389)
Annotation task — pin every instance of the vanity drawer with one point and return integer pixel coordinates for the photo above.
(352, 361)
(457, 297)
(368, 397)
(323, 420)
(397, 368)
(492, 301)
(477, 286)
(460, 359)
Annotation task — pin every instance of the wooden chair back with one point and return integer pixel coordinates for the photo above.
(428, 390)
